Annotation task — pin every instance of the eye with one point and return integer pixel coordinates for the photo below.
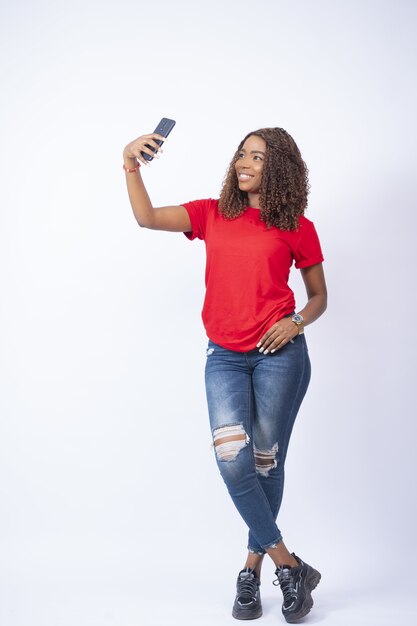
(240, 155)
(257, 157)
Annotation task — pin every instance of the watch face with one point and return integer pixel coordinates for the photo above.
(297, 318)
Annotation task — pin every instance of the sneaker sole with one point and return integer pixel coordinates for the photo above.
(242, 614)
(312, 580)
(239, 613)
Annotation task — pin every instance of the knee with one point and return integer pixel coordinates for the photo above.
(265, 460)
(229, 440)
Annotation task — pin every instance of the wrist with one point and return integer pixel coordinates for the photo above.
(131, 168)
(128, 159)
(299, 321)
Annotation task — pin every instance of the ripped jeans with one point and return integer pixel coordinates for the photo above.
(253, 400)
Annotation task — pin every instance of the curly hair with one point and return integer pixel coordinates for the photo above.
(284, 187)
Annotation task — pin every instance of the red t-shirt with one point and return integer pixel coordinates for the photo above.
(247, 271)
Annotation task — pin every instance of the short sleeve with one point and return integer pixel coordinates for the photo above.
(307, 249)
(198, 211)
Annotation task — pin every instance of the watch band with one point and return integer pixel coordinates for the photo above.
(299, 322)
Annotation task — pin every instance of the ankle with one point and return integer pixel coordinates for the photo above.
(255, 569)
(254, 562)
(280, 555)
(289, 562)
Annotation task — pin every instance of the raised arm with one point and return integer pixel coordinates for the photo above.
(172, 218)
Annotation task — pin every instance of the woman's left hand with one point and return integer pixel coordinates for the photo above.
(278, 335)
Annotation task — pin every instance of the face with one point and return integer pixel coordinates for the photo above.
(250, 163)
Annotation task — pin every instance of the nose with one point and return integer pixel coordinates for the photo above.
(243, 162)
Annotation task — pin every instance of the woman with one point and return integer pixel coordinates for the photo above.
(258, 368)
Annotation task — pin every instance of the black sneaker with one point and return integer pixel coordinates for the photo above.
(248, 598)
(296, 584)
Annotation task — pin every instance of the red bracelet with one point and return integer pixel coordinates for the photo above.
(131, 169)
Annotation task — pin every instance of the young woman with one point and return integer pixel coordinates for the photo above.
(258, 368)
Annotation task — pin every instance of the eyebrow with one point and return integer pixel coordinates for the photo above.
(254, 151)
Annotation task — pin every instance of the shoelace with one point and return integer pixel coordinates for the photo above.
(247, 585)
(285, 579)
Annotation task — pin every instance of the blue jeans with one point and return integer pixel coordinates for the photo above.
(253, 400)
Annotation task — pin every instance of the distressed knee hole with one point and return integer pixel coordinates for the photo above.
(229, 441)
(265, 460)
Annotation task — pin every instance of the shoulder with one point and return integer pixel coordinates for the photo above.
(304, 223)
(306, 228)
(200, 212)
(206, 204)
(306, 244)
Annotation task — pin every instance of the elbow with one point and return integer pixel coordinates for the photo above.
(319, 301)
(322, 297)
(323, 302)
(144, 223)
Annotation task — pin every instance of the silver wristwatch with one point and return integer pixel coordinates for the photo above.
(299, 321)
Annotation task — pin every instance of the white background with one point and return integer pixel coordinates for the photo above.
(112, 508)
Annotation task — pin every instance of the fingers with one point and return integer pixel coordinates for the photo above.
(146, 145)
(150, 145)
(277, 337)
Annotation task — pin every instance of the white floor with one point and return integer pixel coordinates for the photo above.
(203, 599)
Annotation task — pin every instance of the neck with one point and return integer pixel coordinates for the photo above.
(253, 200)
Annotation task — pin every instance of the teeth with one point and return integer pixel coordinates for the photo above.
(245, 176)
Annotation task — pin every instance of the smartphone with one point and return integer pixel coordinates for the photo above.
(164, 128)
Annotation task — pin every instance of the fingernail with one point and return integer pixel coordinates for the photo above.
(261, 349)
(266, 351)
(258, 344)
(272, 351)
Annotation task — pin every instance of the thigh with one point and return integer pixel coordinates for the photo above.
(228, 388)
(280, 381)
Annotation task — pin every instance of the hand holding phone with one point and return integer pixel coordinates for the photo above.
(164, 128)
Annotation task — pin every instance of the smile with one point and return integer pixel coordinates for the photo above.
(244, 176)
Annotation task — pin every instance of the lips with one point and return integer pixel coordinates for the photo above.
(243, 176)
